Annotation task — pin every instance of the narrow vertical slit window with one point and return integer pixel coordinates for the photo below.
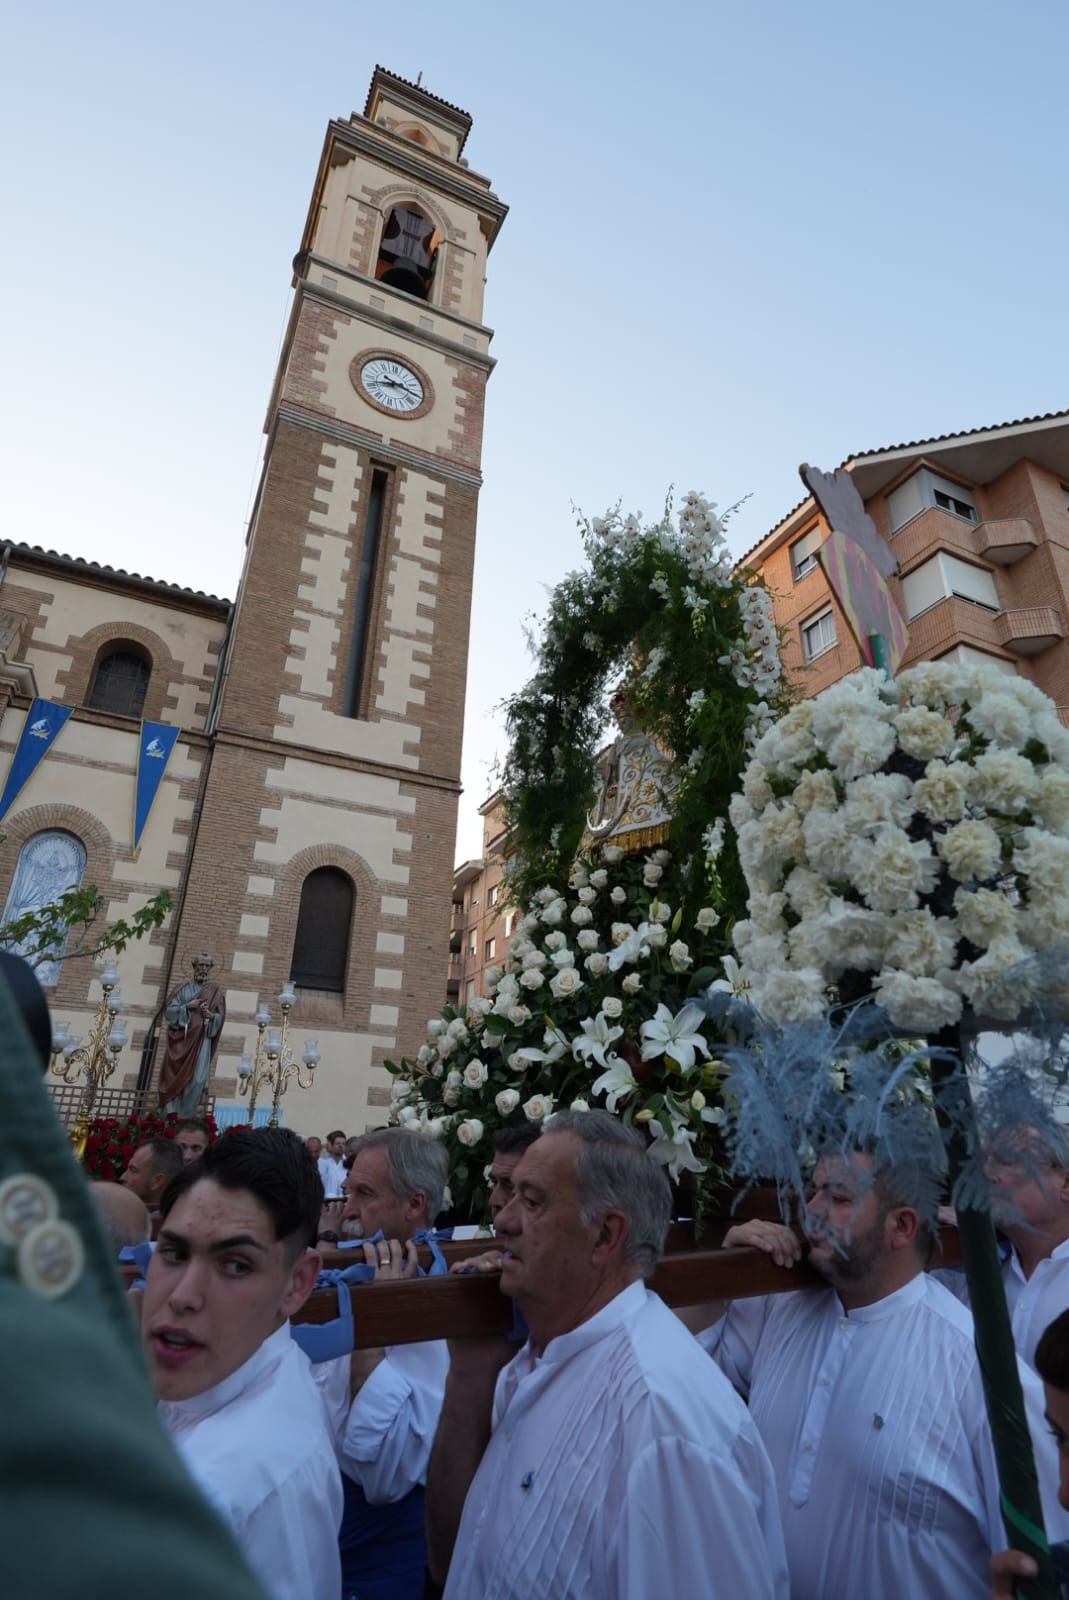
(357, 685)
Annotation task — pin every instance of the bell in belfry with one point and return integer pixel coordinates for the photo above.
(407, 253)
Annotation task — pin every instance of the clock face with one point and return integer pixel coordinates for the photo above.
(392, 384)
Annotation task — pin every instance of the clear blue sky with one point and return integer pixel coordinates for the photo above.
(742, 236)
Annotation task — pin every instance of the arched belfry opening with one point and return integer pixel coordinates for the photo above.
(408, 251)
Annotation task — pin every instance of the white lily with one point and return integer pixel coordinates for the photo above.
(676, 1036)
(633, 948)
(734, 981)
(556, 1046)
(675, 1150)
(595, 1039)
(616, 1082)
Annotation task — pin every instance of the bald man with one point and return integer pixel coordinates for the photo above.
(123, 1213)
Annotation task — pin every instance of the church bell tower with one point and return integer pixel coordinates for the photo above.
(329, 810)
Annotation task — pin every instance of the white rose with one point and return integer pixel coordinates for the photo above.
(434, 1027)
(451, 1088)
(554, 913)
(587, 939)
(458, 1030)
(507, 1101)
(612, 854)
(531, 979)
(493, 975)
(680, 956)
(556, 941)
(424, 1055)
(662, 857)
(660, 911)
(475, 1074)
(533, 958)
(611, 1006)
(546, 895)
(563, 958)
(518, 1015)
(632, 983)
(470, 1131)
(588, 896)
(436, 1126)
(579, 1105)
(599, 878)
(538, 1107)
(618, 896)
(578, 879)
(621, 931)
(596, 964)
(582, 916)
(657, 937)
(706, 919)
(652, 874)
(567, 982)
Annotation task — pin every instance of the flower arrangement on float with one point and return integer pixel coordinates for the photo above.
(626, 915)
(908, 840)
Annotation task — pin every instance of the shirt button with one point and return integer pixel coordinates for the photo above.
(49, 1259)
(25, 1202)
(807, 1444)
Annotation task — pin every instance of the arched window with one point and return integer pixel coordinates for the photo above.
(120, 680)
(49, 864)
(408, 251)
(321, 945)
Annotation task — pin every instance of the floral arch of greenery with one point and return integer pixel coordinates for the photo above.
(660, 615)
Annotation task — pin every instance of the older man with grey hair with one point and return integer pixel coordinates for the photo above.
(606, 1460)
(385, 1403)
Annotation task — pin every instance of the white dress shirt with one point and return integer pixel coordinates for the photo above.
(332, 1172)
(617, 1471)
(1033, 1302)
(259, 1446)
(875, 1424)
(384, 1437)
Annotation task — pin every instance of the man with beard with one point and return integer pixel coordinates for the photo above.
(869, 1400)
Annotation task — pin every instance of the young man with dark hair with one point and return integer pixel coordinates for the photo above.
(151, 1168)
(233, 1263)
(510, 1145)
(191, 1137)
(332, 1165)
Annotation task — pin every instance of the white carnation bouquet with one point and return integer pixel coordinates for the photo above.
(908, 840)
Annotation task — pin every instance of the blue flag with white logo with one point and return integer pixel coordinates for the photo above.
(43, 722)
(153, 753)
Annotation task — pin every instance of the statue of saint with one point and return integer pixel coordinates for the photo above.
(194, 1015)
(636, 784)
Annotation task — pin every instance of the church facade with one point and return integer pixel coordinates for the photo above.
(306, 820)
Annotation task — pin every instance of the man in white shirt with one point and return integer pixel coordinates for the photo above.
(385, 1402)
(332, 1166)
(1028, 1173)
(232, 1265)
(613, 1469)
(869, 1399)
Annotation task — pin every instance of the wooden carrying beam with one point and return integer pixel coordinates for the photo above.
(472, 1307)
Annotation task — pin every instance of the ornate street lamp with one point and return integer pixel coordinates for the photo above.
(96, 1058)
(272, 1064)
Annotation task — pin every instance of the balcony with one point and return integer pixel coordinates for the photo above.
(1002, 540)
(1030, 630)
(1005, 540)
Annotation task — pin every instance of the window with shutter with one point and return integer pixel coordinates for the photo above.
(324, 923)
